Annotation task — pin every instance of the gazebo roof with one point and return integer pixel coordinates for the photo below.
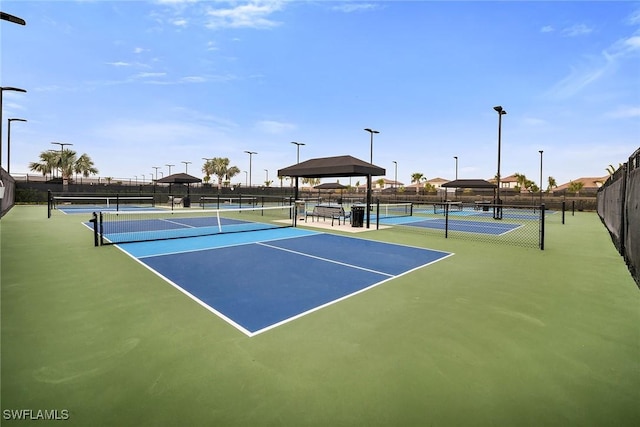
(469, 183)
(339, 166)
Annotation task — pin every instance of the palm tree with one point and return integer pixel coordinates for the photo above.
(521, 180)
(551, 184)
(84, 165)
(48, 162)
(219, 166)
(417, 177)
(575, 187)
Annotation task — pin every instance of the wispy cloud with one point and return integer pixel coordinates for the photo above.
(119, 64)
(180, 22)
(354, 7)
(274, 127)
(624, 112)
(598, 65)
(254, 14)
(576, 30)
(149, 75)
(547, 29)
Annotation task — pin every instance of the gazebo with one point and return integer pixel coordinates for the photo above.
(334, 167)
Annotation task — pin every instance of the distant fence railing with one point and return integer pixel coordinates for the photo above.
(7, 192)
(619, 209)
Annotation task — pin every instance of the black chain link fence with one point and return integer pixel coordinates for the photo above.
(7, 192)
(619, 209)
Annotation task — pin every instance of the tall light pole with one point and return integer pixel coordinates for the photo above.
(540, 151)
(267, 179)
(501, 112)
(61, 144)
(186, 166)
(9, 141)
(250, 153)
(246, 179)
(298, 144)
(371, 132)
(456, 157)
(2, 89)
(156, 168)
(169, 168)
(395, 179)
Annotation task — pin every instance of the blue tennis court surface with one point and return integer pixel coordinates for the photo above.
(469, 226)
(259, 280)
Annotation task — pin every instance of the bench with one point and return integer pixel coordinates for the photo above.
(333, 212)
(174, 201)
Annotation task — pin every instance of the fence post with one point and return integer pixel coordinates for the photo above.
(49, 203)
(542, 220)
(564, 208)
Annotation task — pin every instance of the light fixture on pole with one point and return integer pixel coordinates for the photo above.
(250, 153)
(540, 151)
(61, 144)
(9, 141)
(456, 157)
(186, 166)
(169, 168)
(11, 18)
(2, 89)
(501, 112)
(156, 168)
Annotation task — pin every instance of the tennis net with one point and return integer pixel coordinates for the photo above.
(126, 227)
(115, 203)
(389, 210)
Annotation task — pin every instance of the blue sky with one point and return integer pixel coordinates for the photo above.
(138, 84)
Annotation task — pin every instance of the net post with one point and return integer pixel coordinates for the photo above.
(101, 229)
(117, 202)
(446, 220)
(542, 223)
(94, 220)
(49, 203)
(564, 209)
(573, 208)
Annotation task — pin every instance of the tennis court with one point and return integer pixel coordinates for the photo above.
(292, 272)
(491, 336)
(469, 226)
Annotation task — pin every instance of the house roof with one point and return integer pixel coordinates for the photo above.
(339, 166)
(438, 180)
(588, 182)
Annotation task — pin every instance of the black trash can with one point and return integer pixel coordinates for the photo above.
(186, 202)
(357, 216)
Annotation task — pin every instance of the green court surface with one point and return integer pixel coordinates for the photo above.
(492, 336)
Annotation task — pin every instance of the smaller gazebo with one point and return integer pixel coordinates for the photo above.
(180, 178)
